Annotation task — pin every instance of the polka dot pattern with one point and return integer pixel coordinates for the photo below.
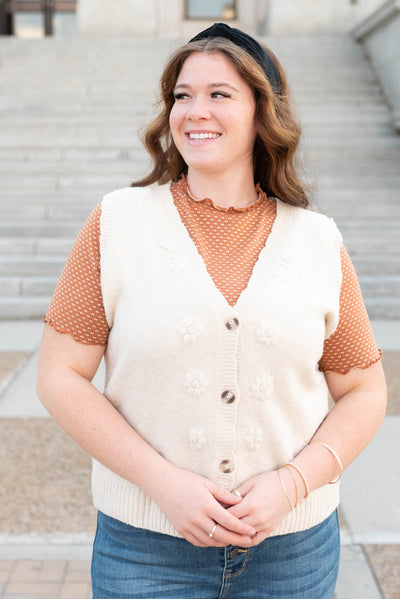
(229, 241)
(77, 304)
(352, 345)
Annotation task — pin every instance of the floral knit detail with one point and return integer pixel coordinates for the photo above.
(267, 333)
(195, 382)
(254, 438)
(197, 438)
(263, 386)
(191, 329)
(279, 269)
(177, 262)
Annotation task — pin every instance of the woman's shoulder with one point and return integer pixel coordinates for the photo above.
(306, 214)
(128, 207)
(310, 224)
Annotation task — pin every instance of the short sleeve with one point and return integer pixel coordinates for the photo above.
(352, 345)
(77, 304)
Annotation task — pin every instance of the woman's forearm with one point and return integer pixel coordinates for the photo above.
(95, 424)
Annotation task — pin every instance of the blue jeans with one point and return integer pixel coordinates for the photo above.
(132, 562)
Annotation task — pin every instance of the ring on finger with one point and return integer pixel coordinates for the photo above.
(211, 534)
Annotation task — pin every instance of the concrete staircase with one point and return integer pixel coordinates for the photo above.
(70, 111)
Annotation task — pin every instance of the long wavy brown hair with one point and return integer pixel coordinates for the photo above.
(278, 132)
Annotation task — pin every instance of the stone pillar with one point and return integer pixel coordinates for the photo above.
(170, 18)
(305, 17)
(117, 17)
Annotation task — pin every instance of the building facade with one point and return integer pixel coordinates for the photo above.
(182, 18)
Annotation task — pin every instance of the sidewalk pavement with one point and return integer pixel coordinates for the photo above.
(47, 520)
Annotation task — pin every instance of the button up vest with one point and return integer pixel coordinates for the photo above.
(227, 392)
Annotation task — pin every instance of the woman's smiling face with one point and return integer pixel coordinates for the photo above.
(213, 119)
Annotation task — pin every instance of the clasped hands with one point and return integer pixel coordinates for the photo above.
(207, 515)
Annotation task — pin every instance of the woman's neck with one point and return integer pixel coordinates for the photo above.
(235, 190)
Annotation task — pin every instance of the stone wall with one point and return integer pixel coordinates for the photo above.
(119, 17)
(166, 18)
(305, 17)
(379, 32)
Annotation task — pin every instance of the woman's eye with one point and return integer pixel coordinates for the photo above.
(219, 95)
(180, 96)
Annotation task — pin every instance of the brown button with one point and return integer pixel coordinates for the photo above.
(226, 466)
(228, 396)
(232, 323)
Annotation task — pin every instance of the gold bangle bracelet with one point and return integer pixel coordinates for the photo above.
(335, 455)
(284, 489)
(303, 478)
(295, 486)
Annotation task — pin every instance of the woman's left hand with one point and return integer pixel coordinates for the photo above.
(264, 504)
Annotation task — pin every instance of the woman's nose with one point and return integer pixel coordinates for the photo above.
(198, 109)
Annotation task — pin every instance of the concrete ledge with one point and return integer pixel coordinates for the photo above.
(379, 33)
(46, 547)
(376, 19)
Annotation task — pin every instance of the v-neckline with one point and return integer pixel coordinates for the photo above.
(191, 254)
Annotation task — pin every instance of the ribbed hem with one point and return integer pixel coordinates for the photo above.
(116, 497)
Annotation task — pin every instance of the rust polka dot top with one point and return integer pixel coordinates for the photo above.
(229, 241)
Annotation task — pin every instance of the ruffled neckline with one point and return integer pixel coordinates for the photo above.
(210, 203)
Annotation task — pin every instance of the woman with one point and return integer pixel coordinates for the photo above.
(226, 313)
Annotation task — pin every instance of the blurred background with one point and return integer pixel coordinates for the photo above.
(78, 82)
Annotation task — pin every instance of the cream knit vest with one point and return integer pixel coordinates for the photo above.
(227, 392)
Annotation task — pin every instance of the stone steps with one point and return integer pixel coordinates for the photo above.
(74, 137)
(39, 230)
(24, 246)
(30, 286)
(31, 266)
(23, 308)
(382, 308)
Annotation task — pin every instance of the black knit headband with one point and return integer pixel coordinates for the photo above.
(249, 44)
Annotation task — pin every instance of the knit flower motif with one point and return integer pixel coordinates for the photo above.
(176, 261)
(263, 386)
(253, 438)
(280, 267)
(267, 333)
(191, 329)
(197, 438)
(195, 382)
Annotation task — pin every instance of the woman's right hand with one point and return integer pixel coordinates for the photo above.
(194, 504)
